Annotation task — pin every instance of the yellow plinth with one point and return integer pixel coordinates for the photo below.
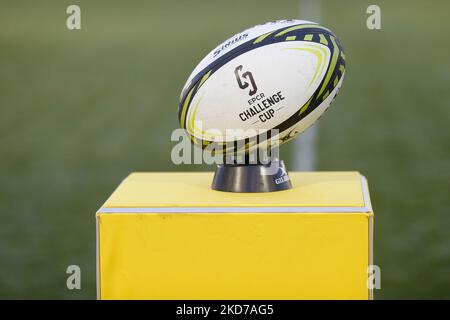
(169, 236)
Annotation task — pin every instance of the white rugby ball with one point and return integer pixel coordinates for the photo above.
(279, 75)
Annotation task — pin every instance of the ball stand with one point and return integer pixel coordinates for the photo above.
(252, 177)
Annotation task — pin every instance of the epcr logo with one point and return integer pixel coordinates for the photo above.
(246, 76)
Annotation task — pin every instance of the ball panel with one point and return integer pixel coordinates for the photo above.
(239, 39)
(312, 117)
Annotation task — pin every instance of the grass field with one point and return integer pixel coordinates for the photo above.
(79, 110)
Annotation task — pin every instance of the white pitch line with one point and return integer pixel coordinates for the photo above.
(305, 144)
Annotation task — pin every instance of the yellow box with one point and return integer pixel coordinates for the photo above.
(169, 236)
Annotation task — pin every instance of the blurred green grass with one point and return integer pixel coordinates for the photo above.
(79, 110)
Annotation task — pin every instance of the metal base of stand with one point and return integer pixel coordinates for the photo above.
(252, 178)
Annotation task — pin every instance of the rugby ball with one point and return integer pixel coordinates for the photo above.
(279, 75)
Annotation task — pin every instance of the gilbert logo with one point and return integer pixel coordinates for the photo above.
(283, 177)
(244, 79)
